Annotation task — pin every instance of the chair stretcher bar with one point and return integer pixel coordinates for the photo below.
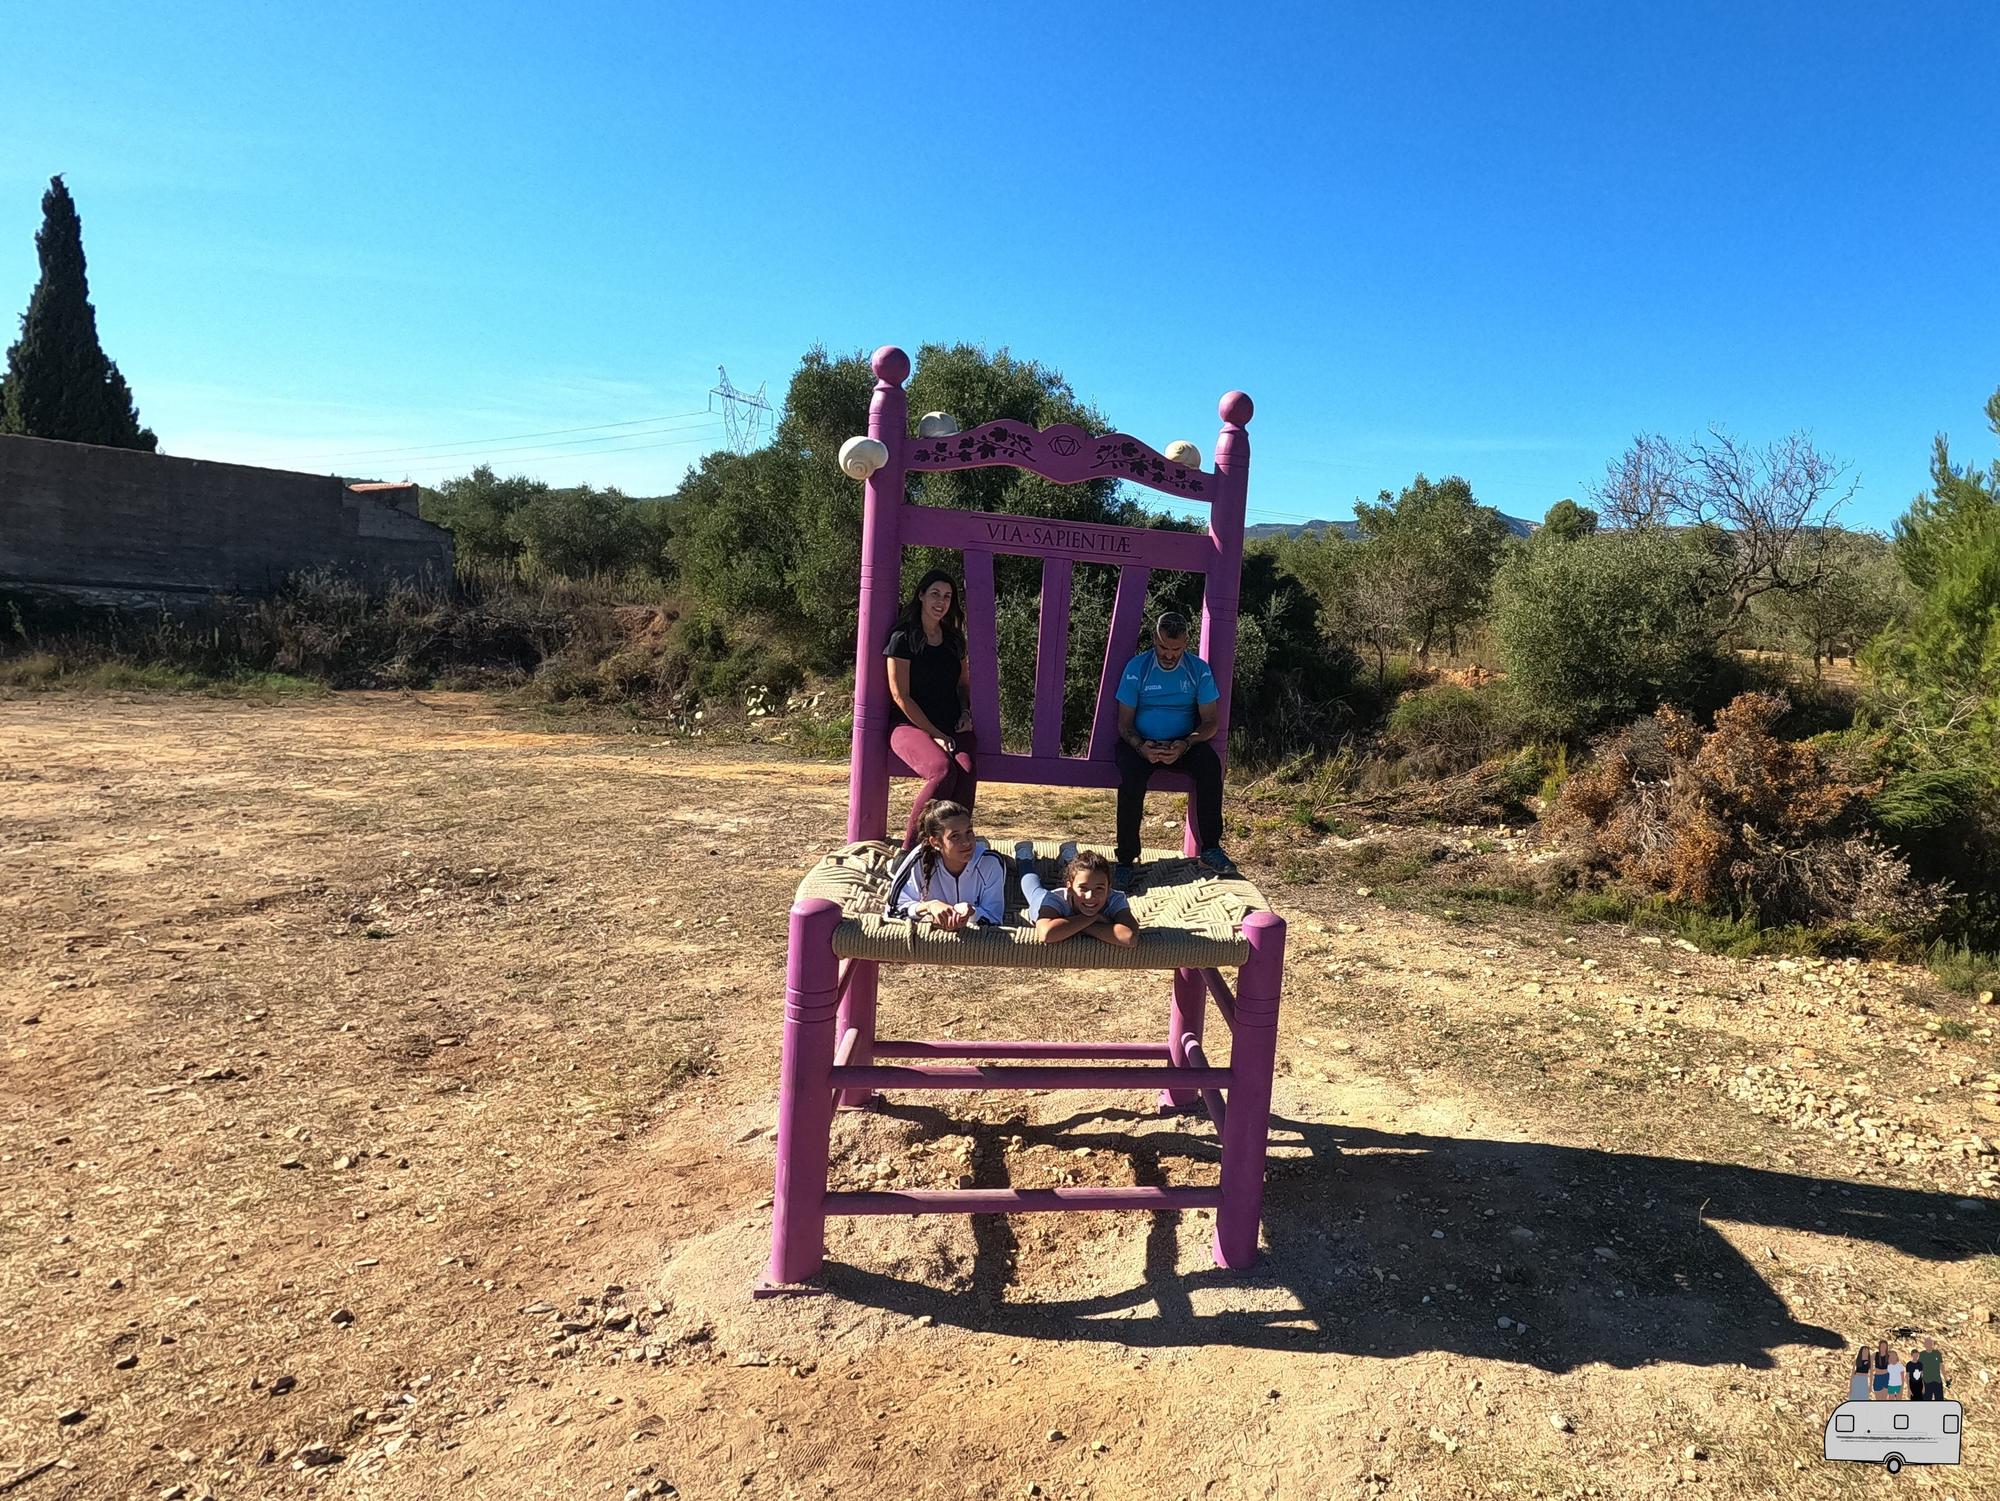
(947, 1048)
(1019, 1200)
(1225, 998)
(980, 1076)
(1212, 1099)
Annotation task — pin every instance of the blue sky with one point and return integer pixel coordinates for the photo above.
(1494, 239)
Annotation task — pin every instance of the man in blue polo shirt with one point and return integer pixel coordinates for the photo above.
(1167, 714)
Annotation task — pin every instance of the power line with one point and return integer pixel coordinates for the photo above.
(554, 432)
(705, 436)
(708, 420)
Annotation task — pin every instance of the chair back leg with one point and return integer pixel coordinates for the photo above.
(1184, 1019)
(857, 1013)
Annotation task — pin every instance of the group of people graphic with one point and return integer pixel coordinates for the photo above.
(1168, 713)
(1881, 1375)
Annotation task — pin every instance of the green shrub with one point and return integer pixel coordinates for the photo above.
(1498, 895)
(1913, 803)
(1557, 775)
(1598, 630)
(1963, 968)
(827, 736)
(1603, 906)
(1446, 728)
(1945, 820)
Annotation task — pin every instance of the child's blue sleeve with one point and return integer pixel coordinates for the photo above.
(1033, 893)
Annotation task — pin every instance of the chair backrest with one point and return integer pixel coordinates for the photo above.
(1068, 455)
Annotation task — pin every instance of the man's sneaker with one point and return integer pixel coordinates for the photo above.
(1123, 875)
(1068, 851)
(1217, 860)
(1024, 852)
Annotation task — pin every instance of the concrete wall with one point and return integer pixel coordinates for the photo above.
(108, 520)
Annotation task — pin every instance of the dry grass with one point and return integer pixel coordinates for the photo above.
(511, 996)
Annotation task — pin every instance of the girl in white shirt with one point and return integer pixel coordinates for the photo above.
(950, 879)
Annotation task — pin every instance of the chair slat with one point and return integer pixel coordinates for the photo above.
(980, 649)
(1052, 655)
(1118, 650)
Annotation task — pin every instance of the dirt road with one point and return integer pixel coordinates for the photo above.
(384, 1108)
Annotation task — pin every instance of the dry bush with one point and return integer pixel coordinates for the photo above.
(1485, 794)
(1736, 817)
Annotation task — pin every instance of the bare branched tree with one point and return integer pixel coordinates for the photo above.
(1773, 508)
(1643, 485)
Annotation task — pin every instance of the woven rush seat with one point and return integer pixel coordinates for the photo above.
(1189, 917)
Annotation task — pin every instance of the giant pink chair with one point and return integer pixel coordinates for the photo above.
(1194, 923)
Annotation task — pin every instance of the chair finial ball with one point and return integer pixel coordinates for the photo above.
(1184, 453)
(937, 425)
(891, 364)
(1236, 407)
(861, 457)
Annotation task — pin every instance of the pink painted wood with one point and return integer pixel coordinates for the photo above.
(829, 1039)
(1253, 1058)
(1074, 541)
(805, 1108)
(980, 611)
(1019, 1200)
(881, 582)
(1054, 771)
(1212, 1100)
(1121, 645)
(1068, 455)
(1185, 1018)
(1052, 656)
(1225, 581)
(1225, 998)
(1025, 1076)
(947, 1048)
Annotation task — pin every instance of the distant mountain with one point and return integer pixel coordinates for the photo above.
(1266, 530)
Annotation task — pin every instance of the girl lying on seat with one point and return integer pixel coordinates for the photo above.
(1084, 903)
(949, 879)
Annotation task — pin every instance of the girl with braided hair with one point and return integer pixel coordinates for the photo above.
(949, 879)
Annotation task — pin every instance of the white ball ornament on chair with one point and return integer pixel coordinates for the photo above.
(937, 425)
(861, 457)
(1184, 453)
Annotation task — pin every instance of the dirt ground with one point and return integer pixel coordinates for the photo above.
(387, 1092)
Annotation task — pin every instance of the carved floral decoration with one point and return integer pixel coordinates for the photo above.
(1116, 456)
(984, 443)
(1127, 456)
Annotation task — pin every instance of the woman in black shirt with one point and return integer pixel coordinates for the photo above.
(930, 684)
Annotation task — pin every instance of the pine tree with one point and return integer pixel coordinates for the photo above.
(59, 382)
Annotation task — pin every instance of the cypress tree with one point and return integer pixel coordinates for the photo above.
(59, 382)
